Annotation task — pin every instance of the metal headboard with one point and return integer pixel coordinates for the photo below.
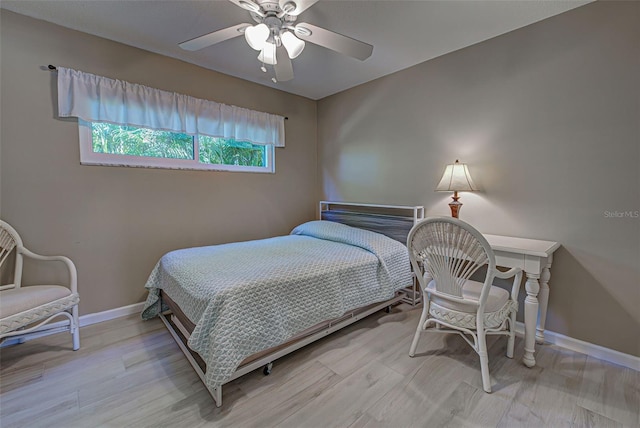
(394, 221)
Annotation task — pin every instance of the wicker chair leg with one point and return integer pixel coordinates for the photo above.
(512, 335)
(75, 328)
(484, 361)
(420, 328)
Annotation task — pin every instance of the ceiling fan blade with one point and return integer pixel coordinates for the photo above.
(283, 67)
(300, 5)
(213, 38)
(334, 41)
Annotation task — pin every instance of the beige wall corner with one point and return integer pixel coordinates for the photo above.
(547, 118)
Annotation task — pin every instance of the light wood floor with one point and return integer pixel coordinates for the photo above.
(131, 373)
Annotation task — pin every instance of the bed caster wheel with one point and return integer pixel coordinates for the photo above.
(388, 309)
(266, 370)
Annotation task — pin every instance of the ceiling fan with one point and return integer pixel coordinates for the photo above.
(277, 36)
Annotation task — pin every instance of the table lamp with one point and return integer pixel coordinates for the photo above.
(456, 178)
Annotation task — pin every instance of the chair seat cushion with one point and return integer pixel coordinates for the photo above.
(497, 308)
(25, 305)
(471, 291)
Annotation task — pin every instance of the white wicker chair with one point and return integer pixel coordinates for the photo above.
(27, 310)
(445, 253)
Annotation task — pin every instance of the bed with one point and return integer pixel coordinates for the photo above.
(233, 308)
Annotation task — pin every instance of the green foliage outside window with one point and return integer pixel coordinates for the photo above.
(230, 152)
(133, 141)
(129, 140)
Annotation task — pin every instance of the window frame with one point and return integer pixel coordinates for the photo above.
(89, 157)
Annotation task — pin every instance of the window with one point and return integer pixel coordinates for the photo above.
(109, 144)
(123, 123)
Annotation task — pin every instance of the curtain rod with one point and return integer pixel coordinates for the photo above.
(54, 68)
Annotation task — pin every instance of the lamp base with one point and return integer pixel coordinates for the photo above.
(455, 205)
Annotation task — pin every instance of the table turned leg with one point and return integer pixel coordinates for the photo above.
(530, 319)
(543, 299)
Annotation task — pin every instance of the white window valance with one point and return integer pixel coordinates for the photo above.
(100, 99)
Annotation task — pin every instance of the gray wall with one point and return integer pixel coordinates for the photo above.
(547, 119)
(115, 222)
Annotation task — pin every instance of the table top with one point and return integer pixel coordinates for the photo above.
(531, 247)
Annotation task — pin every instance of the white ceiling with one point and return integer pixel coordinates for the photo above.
(403, 33)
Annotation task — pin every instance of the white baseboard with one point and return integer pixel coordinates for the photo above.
(596, 351)
(111, 314)
(558, 339)
(84, 320)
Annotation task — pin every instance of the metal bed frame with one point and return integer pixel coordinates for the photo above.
(377, 218)
(266, 362)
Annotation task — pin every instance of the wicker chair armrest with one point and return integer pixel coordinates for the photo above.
(508, 274)
(73, 272)
(516, 273)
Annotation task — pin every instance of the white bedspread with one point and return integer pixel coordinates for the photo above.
(249, 296)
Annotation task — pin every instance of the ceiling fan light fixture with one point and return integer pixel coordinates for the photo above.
(268, 54)
(257, 36)
(289, 7)
(302, 31)
(249, 5)
(292, 44)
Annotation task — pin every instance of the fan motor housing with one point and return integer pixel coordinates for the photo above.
(271, 8)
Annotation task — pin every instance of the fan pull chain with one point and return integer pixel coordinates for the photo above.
(273, 79)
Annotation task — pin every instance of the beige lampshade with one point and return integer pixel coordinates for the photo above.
(456, 178)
